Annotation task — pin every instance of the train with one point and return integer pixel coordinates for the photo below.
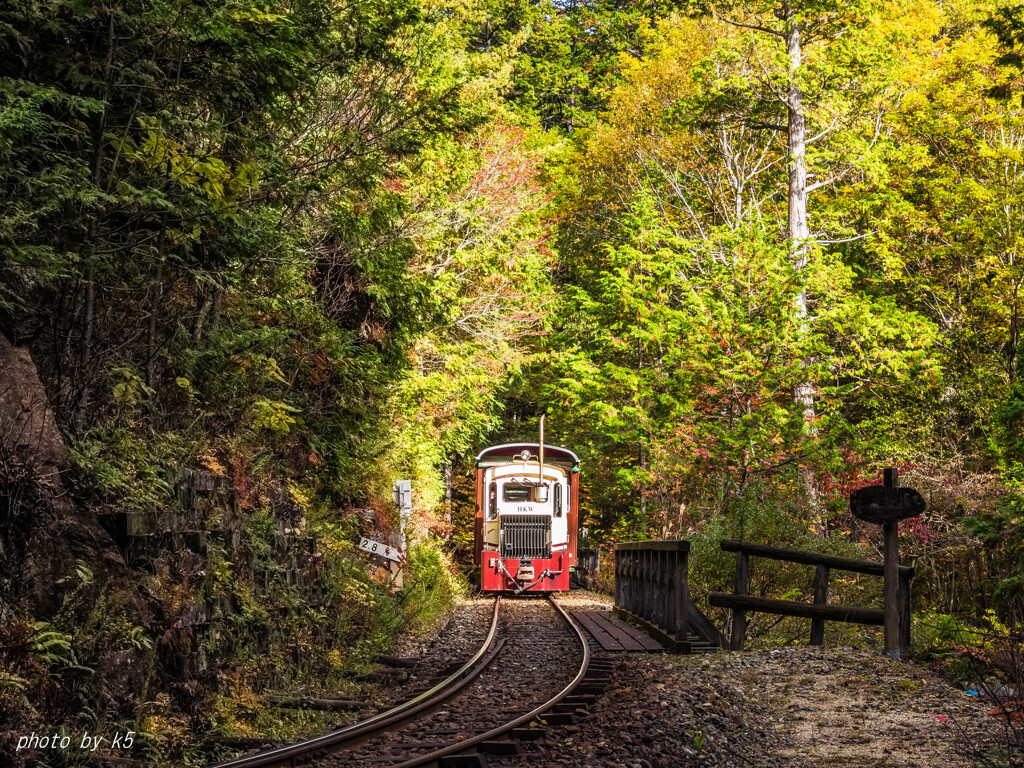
(527, 517)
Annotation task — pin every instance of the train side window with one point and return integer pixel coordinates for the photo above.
(558, 499)
(492, 501)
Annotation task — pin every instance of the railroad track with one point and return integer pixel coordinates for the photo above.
(532, 672)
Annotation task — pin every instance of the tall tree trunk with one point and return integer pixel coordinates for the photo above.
(1014, 328)
(642, 461)
(448, 491)
(218, 301)
(156, 293)
(799, 231)
(204, 309)
(89, 313)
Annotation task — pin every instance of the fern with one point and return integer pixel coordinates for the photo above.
(10, 683)
(54, 649)
(139, 641)
(82, 573)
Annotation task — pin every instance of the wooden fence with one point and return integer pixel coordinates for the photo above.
(819, 611)
(588, 564)
(651, 589)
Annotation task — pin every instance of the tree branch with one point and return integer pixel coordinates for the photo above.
(755, 27)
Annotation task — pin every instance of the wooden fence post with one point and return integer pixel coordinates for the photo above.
(617, 569)
(904, 606)
(739, 617)
(682, 609)
(890, 589)
(820, 598)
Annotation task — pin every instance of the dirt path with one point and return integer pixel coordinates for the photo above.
(789, 707)
(851, 707)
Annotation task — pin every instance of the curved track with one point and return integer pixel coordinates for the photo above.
(302, 751)
(524, 678)
(544, 658)
(536, 714)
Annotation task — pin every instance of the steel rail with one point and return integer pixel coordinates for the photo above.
(501, 730)
(383, 720)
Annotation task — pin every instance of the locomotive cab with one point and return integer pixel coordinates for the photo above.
(526, 521)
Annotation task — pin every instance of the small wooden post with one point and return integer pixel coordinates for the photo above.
(891, 573)
(739, 617)
(664, 585)
(820, 598)
(643, 602)
(680, 597)
(619, 576)
(905, 615)
(629, 580)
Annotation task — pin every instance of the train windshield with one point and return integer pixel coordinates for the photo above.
(517, 492)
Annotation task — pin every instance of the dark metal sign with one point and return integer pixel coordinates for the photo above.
(885, 505)
(879, 504)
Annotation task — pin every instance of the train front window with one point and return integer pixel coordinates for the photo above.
(558, 499)
(516, 492)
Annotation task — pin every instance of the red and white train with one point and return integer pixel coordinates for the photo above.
(527, 504)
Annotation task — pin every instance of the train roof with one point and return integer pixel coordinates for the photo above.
(552, 453)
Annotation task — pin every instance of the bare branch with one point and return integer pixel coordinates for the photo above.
(755, 27)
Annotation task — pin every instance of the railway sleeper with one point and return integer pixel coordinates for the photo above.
(326, 705)
(398, 661)
(462, 761)
(500, 748)
(454, 731)
(574, 709)
(528, 734)
(384, 676)
(428, 745)
(580, 700)
(558, 718)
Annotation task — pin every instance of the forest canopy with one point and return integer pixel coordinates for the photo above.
(741, 256)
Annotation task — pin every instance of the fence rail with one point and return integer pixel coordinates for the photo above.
(819, 611)
(651, 589)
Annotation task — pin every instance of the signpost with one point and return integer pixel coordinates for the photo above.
(381, 549)
(886, 505)
(402, 490)
(394, 554)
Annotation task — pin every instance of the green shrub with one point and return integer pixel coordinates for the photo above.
(433, 584)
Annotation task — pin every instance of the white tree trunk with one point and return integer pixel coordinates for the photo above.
(799, 232)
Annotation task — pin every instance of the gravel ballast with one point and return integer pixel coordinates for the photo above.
(794, 706)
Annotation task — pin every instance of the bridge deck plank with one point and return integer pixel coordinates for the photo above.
(639, 636)
(613, 634)
(594, 628)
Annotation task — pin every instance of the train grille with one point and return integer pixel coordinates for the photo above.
(526, 536)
